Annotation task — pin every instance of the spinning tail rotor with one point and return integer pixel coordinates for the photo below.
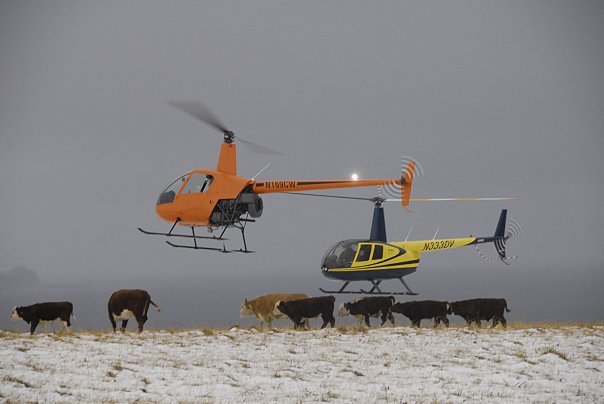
(502, 234)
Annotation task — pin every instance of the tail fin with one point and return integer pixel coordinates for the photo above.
(499, 236)
(407, 183)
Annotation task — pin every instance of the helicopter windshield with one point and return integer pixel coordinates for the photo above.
(198, 182)
(341, 255)
(170, 192)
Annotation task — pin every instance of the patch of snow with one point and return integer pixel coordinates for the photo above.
(391, 364)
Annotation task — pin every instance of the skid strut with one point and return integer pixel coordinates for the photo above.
(375, 290)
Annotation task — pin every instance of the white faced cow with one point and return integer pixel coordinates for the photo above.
(127, 303)
(49, 311)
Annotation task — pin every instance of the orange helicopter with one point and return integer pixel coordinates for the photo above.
(219, 199)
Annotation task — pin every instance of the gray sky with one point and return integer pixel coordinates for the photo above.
(492, 98)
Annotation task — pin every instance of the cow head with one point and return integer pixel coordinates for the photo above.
(246, 309)
(16, 314)
(401, 308)
(449, 308)
(344, 309)
(277, 311)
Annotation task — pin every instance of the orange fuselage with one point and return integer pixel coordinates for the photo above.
(195, 208)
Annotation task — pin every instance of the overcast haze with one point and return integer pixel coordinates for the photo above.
(491, 98)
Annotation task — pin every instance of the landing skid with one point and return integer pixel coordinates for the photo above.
(222, 250)
(152, 233)
(195, 237)
(375, 290)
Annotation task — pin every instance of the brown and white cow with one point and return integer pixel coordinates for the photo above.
(263, 307)
(301, 310)
(474, 310)
(127, 303)
(371, 306)
(49, 311)
(416, 311)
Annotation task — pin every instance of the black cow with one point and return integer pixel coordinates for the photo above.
(480, 309)
(127, 303)
(300, 310)
(416, 311)
(373, 306)
(49, 311)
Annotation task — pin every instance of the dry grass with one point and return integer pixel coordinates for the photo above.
(552, 350)
(597, 327)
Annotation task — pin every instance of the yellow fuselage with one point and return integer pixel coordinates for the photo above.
(361, 259)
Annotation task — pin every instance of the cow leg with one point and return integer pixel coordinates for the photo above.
(66, 325)
(329, 319)
(494, 322)
(478, 323)
(124, 325)
(446, 321)
(436, 322)
(367, 320)
(269, 323)
(504, 323)
(390, 317)
(141, 323)
(33, 325)
(113, 324)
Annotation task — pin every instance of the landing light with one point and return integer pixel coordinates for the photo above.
(354, 176)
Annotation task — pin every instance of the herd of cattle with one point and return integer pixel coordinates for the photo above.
(299, 308)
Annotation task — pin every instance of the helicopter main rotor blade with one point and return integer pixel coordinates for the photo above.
(256, 148)
(198, 110)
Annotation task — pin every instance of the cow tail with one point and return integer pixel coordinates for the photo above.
(154, 305)
(506, 306)
(72, 315)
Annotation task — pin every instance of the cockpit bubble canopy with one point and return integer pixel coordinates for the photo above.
(195, 182)
(341, 255)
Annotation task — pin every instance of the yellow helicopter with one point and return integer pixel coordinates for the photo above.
(375, 259)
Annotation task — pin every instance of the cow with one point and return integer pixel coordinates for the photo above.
(475, 310)
(303, 309)
(263, 307)
(49, 311)
(416, 311)
(127, 303)
(373, 306)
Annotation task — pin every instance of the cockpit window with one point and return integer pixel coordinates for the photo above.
(341, 255)
(364, 253)
(170, 192)
(378, 252)
(198, 182)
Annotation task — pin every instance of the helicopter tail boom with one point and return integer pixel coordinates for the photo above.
(265, 187)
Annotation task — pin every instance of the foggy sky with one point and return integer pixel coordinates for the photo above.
(491, 98)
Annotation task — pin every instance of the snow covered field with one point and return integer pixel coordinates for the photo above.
(345, 364)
